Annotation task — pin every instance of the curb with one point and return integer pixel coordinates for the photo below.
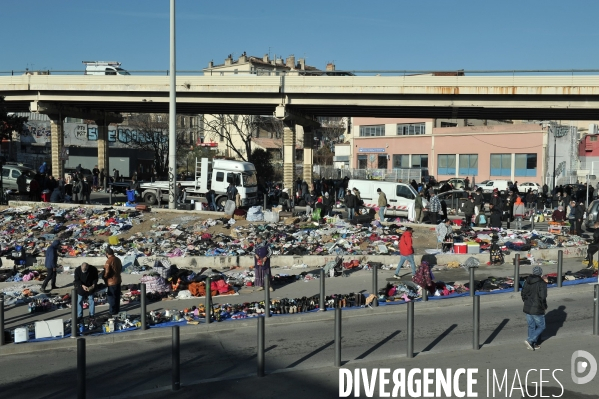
(309, 317)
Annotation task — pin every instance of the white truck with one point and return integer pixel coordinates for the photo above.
(215, 175)
(104, 68)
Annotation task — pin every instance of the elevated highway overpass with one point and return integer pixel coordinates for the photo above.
(103, 98)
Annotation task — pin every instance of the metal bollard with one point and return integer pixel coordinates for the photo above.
(260, 346)
(176, 350)
(375, 285)
(337, 337)
(144, 324)
(208, 302)
(81, 368)
(517, 273)
(74, 325)
(321, 306)
(596, 312)
(472, 288)
(560, 264)
(424, 294)
(476, 322)
(2, 322)
(267, 294)
(410, 343)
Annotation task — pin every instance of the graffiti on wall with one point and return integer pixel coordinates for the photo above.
(78, 134)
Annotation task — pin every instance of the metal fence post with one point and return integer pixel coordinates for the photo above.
(208, 302)
(74, 324)
(81, 390)
(476, 322)
(144, 324)
(337, 337)
(472, 288)
(375, 285)
(2, 321)
(176, 371)
(517, 273)
(267, 294)
(321, 305)
(410, 343)
(260, 354)
(596, 312)
(560, 264)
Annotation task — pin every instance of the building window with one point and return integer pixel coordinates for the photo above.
(446, 165)
(469, 164)
(411, 129)
(382, 161)
(501, 164)
(420, 161)
(526, 165)
(362, 161)
(401, 161)
(372, 131)
(448, 124)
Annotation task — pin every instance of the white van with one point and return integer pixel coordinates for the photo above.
(501, 185)
(399, 195)
(104, 68)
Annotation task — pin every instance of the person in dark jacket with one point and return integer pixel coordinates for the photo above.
(534, 296)
(85, 282)
(468, 209)
(495, 217)
(51, 265)
(593, 246)
(56, 196)
(350, 203)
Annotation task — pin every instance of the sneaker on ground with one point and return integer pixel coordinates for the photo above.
(528, 345)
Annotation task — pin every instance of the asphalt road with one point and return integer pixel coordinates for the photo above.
(299, 355)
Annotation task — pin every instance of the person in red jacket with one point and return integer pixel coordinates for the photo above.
(406, 250)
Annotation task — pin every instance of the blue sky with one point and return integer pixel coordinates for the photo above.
(355, 35)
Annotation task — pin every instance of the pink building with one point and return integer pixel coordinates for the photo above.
(516, 152)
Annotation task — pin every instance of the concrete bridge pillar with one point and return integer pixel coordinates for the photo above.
(103, 162)
(288, 157)
(308, 154)
(57, 142)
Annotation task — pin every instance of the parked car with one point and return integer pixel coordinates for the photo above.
(455, 199)
(85, 172)
(11, 172)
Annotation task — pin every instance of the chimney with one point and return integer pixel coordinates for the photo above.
(330, 66)
(211, 64)
(229, 60)
(265, 58)
(290, 63)
(302, 64)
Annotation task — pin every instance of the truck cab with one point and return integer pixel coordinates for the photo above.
(104, 68)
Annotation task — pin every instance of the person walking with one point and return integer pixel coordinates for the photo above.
(519, 212)
(382, 203)
(112, 277)
(85, 282)
(262, 254)
(51, 264)
(351, 204)
(534, 296)
(406, 251)
(593, 246)
(418, 208)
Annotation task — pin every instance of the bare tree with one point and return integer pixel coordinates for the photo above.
(235, 130)
(149, 132)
